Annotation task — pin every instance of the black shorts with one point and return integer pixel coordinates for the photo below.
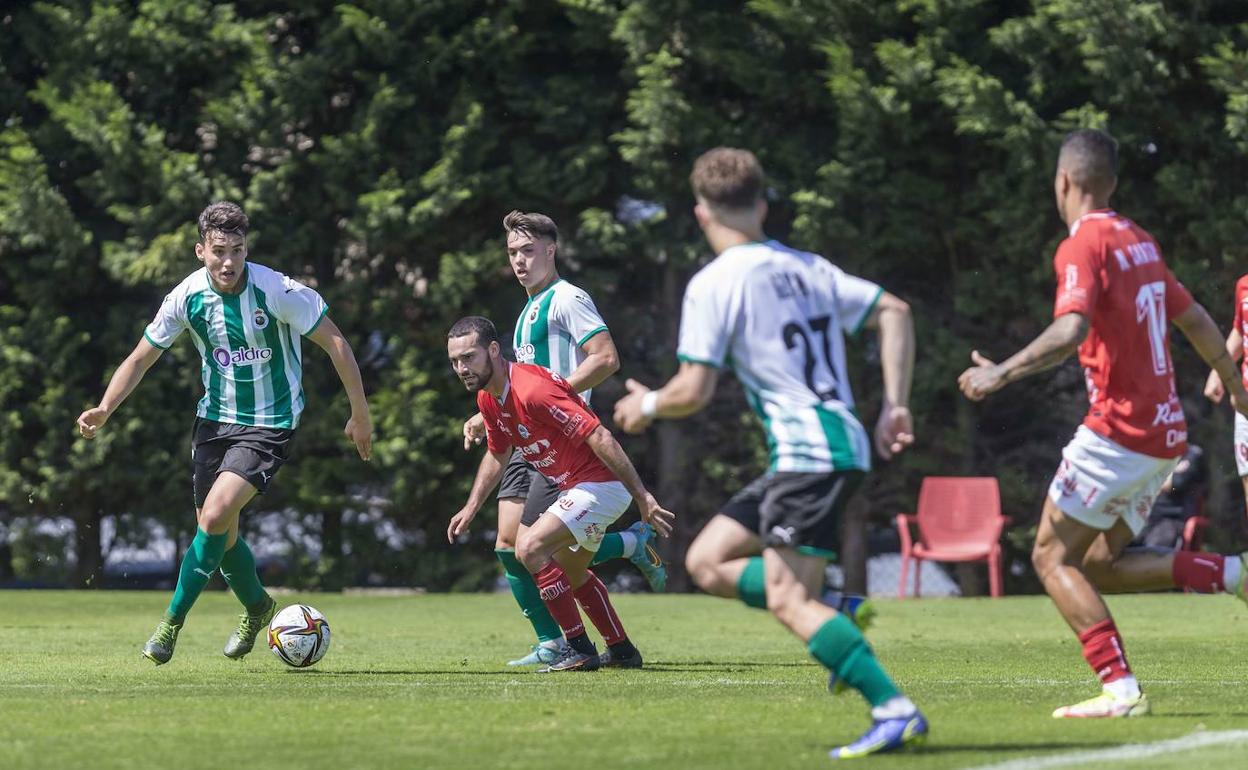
(521, 480)
(797, 510)
(251, 452)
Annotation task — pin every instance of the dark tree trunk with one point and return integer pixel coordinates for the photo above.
(89, 556)
(853, 554)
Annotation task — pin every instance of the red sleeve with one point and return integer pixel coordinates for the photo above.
(564, 411)
(1078, 279)
(1178, 298)
(495, 440)
(1240, 286)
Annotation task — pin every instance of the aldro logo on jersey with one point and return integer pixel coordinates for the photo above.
(226, 358)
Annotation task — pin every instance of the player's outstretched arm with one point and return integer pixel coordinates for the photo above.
(489, 473)
(1054, 345)
(685, 394)
(601, 361)
(612, 455)
(122, 384)
(892, 318)
(1213, 384)
(360, 425)
(1203, 333)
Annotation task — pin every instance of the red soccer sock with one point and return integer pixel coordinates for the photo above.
(1103, 650)
(556, 592)
(597, 605)
(1198, 571)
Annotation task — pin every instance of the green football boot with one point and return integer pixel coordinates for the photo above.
(159, 649)
(249, 627)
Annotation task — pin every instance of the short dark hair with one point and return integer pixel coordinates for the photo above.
(728, 177)
(1090, 157)
(223, 217)
(532, 224)
(475, 324)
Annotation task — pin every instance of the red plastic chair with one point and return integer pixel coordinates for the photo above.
(959, 520)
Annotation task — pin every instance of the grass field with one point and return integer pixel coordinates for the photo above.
(417, 682)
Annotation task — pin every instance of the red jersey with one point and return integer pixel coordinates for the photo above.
(1111, 271)
(540, 415)
(1241, 321)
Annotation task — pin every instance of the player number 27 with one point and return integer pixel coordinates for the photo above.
(1150, 309)
(793, 332)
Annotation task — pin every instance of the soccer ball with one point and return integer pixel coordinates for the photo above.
(299, 635)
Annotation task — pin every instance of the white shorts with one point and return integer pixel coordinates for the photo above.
(1241, 444)
(589, 508)
(1100, 482)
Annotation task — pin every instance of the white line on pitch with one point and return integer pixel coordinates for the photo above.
(1130, 751)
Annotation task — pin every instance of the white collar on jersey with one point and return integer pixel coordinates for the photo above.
(1098, 214)
(506, 385)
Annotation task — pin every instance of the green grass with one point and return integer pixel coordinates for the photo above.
(417, 682)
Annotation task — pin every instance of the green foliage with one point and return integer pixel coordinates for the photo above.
(377, 144)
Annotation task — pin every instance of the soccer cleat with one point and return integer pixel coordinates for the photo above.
(647, 559)
(885, 735)
(159, 649)
(1105, 706)
(540, 654)
(860, 610)
(606, 660)
(571, 660)
(249, 627)
(1241, 589)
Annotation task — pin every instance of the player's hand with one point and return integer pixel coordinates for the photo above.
(360, 430)
(628, 409)
(656, 515)
(459, 524)
(1214, 390)
(474, 431)
(90, 421)
(895, 430)
(981, 379)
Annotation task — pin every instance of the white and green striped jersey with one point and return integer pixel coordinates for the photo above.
(777, 317)
(553, 326)
(252, 367)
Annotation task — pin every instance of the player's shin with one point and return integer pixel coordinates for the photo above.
(556, 592)
(525, 591)
(752, 585)
(841, 648)
(593, 598)
(238, 567)
(201, 558)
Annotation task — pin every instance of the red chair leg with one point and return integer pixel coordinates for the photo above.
(994, 574)
(905, 568)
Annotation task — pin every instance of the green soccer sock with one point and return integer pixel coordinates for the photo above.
(752, 585)
(525, 591)
(238, 567)
(840, 647)
(202, 557)
(612, 547)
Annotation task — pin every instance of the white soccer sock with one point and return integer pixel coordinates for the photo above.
(1232, 571)
(1125, 688)
(896, 707)
(630, 543)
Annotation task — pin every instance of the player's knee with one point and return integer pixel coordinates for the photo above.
(785, 601)
(214, 518)
(504, 541)
(1044, 560)
(701, 568)
(530, 553)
